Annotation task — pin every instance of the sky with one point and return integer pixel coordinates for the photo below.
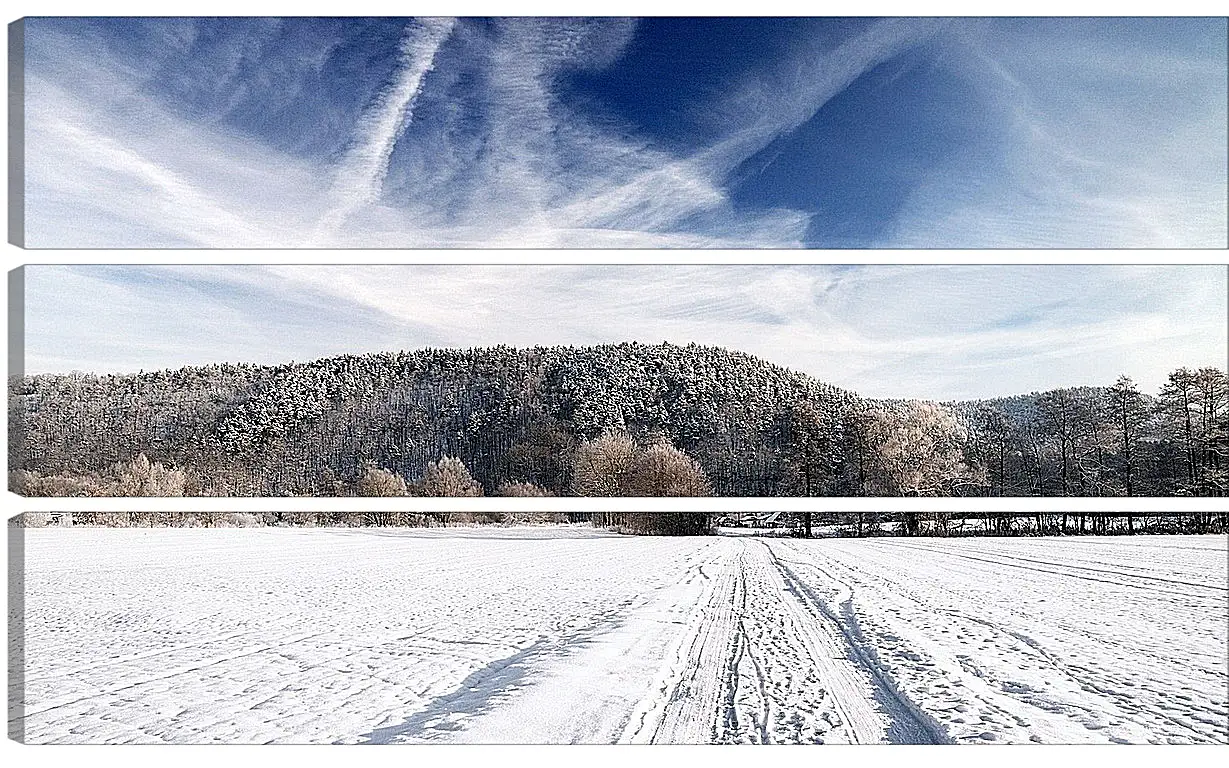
(917, 331)
(666, 132)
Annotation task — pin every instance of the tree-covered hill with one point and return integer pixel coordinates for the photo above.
(523, 418)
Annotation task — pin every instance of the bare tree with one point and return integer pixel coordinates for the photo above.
(663, 470)
(918, 452)
(1129, 413)
(1178, 401)
(1213, 385)
(996, 429)
(601, 466)
(1061, 418)
(376, 481)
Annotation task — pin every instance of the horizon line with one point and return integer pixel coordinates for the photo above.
(633, 342)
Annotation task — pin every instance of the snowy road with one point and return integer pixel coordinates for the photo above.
(548, 635)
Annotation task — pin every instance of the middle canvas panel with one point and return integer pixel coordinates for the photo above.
(618, 380)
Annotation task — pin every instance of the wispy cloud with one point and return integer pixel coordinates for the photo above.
(132, 172)
(1101, 147)
(918, 331)
(360, 177)
(483, 132)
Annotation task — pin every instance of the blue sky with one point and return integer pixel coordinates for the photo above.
(939, 332)
(846, 132)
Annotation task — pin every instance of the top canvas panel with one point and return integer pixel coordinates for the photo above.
(619, 132)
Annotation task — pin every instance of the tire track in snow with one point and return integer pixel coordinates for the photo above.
(961, 703)
(683, 704)
(1056, 686)
(760, 705)
(908, 723)
(733, 678)
(985, 703)
(763, 660)
(798, 685)
(1001, 559)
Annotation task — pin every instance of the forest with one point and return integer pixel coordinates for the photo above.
(626, 419)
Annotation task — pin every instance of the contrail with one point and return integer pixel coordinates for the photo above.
(361, 174)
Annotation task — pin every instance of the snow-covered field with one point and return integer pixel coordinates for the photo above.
(547, 635)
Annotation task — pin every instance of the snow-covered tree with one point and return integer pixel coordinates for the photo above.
(918, 451)
(447, 477)
(376, 481)
(812, 450)
(663, 470)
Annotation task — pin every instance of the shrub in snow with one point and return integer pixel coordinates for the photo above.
(613, 465)
(142, 477)
(526, 490)
(663, 470)
(26, 483)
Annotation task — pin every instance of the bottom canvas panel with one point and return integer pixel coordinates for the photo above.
(395, 628)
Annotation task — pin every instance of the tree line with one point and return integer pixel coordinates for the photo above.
(378, 519)
(1111, 441)
(955, 524)
(800, 524)
(643, 523)
(612, 420)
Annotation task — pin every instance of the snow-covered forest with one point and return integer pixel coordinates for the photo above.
(615, 420)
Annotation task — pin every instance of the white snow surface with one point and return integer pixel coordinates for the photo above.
(550, 635)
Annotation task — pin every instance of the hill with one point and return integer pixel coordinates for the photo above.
(519, 415)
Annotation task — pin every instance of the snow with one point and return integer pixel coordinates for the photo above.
(547, 635)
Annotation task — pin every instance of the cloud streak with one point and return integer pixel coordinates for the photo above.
(360, 177)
